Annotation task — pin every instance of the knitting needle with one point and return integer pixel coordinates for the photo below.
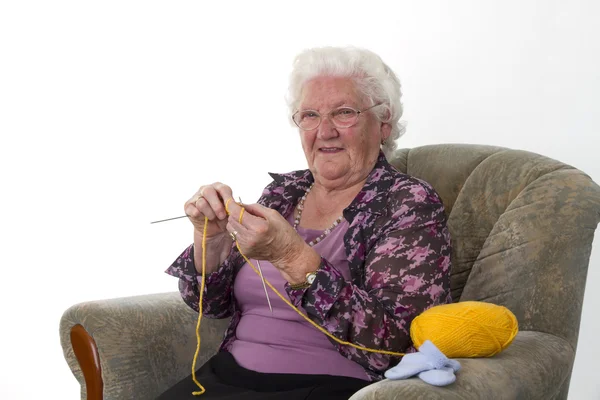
(169, 219)
(183, 216)
(264, 285)
(262, 278)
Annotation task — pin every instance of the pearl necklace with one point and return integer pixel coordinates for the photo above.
(297, 220)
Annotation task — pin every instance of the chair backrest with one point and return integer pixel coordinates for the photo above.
(521, 225)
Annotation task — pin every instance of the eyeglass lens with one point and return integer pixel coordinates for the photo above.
(342, 118)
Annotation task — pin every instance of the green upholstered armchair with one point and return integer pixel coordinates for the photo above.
(522, 227)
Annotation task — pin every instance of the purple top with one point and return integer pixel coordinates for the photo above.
(398, 251)
(267, 342)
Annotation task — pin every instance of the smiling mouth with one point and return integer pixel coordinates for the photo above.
(330, 150)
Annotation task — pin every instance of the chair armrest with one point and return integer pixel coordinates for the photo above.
(145, 343)
(534, 366)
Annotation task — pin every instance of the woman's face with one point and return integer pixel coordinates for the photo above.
(340, 157)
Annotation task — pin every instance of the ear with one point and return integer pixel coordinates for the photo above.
(386, 131)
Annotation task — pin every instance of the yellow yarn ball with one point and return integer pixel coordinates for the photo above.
(466, 329)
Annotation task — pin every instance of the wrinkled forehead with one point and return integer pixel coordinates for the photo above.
(328, 92)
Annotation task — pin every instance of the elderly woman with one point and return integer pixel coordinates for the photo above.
(359, 247)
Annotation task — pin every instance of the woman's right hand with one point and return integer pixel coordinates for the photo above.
(209, 201)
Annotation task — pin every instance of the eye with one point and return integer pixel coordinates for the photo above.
(346, 111)
(308, 114)
(344, 114)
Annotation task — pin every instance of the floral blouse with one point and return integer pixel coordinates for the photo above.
(398, 249)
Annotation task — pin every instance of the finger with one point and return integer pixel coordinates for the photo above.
(198, 195)
(248, 220)
(191, 211)
(258, 210)
(236, 210)
(213, 201)
(224, 193)
(192, 201)
(241, 233)
(197, 207)
(231, 207)
(205, 209)
(223, 190)
(233, 225)
(254, 225)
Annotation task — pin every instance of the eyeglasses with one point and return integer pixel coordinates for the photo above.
(342, 117)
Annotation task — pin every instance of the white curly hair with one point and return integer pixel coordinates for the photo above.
(372, 77)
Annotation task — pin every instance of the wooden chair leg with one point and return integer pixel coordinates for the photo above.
(86, 352)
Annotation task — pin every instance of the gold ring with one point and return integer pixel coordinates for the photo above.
(233, 235)
(198, 198)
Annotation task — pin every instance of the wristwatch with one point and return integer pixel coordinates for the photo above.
(310, 278)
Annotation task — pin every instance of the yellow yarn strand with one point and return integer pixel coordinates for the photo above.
(240, 219)
(227, 205)
(202, 283)
(286, 301)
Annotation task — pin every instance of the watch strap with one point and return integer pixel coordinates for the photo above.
(310, 278)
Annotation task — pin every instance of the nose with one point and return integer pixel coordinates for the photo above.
(326, 129)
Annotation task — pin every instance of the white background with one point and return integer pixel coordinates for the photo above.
(112, 113)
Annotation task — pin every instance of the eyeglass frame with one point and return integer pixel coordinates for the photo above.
(358, 112)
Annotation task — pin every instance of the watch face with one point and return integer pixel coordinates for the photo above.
(310, 278)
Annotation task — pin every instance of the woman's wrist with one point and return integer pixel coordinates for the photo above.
(299, 263)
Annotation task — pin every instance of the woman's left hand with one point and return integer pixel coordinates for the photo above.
(265, 235)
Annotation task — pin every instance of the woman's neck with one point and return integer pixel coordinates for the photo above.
(324, 205)
(327, 199)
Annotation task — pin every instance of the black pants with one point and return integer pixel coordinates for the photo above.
(224, 379)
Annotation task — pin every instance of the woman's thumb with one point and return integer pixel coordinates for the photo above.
(257, 210)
